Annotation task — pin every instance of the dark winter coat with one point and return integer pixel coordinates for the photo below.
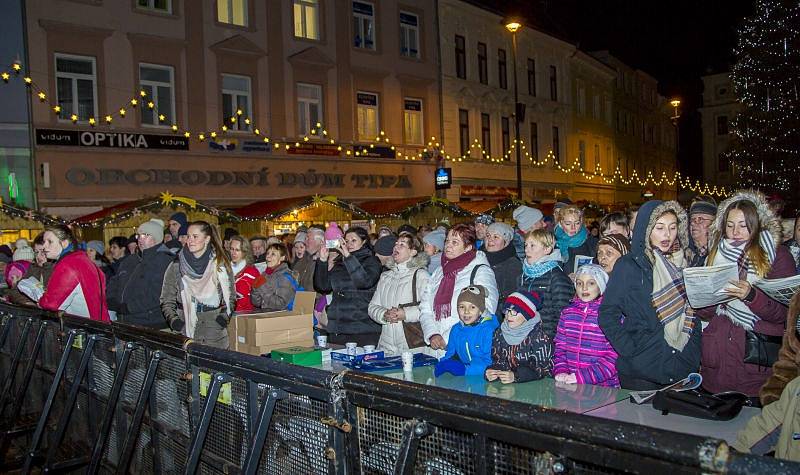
(532, 359)
(135, 290)
(629, 320)
(507, 270)
(588, 248)
(352, 281)
(723, 363)
(556, 290)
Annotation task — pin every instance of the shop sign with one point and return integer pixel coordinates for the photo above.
(233, 144)
(311, 179)
(377, 151)
(444, 178)
(319, 149)
(94, 138)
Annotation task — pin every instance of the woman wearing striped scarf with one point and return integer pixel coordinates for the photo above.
(747, 233)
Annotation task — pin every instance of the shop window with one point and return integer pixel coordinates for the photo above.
(306, 19)
(364, 25)
(76, 86)
(412, 121)
(236, 96)
(309, 108)
(161, 6)
(233, 12)
(461, 57)
(463, 132)
(158, 82)
(368, 118)
(409, 35)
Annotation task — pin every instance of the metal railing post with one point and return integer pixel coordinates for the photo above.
(260, 433)
(199, 437)
(15, 363)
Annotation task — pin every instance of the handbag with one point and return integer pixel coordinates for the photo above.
(415, 338)
(761, 349)
(695, 403)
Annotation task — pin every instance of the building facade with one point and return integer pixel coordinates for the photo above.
(279, 98)
(720, 106)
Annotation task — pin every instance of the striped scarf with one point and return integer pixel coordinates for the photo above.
(733, 251)
(669, 299)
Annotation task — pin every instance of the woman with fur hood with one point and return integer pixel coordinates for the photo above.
(788, 365)
(645, 314)
(745, 232)
(395, 304)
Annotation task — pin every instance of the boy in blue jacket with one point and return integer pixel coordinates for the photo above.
(469, 348)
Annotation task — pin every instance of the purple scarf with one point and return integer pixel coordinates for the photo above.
(444, 295)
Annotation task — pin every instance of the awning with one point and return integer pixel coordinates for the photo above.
(408, 206)
(273, 209)
(152, 205)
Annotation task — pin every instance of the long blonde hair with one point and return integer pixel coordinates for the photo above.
(753, 248)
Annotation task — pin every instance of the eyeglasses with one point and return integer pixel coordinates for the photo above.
(143, 235)
(699, 220)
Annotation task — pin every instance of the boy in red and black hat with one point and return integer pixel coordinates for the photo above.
(521, 350)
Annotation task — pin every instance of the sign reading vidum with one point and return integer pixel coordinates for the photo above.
(91, 138)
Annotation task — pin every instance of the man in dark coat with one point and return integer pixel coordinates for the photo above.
(629, 320)
(135, 291)
(701, 214)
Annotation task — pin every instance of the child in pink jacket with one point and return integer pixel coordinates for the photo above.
(583, 355)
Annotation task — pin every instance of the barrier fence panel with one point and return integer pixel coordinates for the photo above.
(81, 396)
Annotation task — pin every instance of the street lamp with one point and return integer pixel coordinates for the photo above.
(513, 26)
(675, 103)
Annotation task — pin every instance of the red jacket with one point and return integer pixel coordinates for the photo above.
(77, 287)
(244, 285)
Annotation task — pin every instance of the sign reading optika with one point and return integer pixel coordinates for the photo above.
(93, 138)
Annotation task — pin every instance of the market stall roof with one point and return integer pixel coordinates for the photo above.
(406, 206)
(478, 206)
(133, 208)
(14, 211)
(272, 209)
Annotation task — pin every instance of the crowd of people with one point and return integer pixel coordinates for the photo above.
(600, 302)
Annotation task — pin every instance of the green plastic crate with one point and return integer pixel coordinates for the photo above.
(299, 355)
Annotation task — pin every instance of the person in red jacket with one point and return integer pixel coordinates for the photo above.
(244, 271)
(76, 286)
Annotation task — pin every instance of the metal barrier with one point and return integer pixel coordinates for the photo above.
(78, 395)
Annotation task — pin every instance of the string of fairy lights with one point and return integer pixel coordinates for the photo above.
(319, 134)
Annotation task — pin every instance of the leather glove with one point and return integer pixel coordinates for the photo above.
(452, 366)
(222, 320)
(177, 324)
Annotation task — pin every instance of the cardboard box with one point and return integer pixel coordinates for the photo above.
(257, 330)
(299, 355)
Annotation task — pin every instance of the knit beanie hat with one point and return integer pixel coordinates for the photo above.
(300, 237)
(616, 241)
(526, 217)
(24, 253)
(435, 238)
(525, 303)
(21, 242)
(597, 273)
(385, 245)
(406, 228)
(562, 203)
(486, 219)
(385, 230)
(183, 230)
(154, 227)
(502, 229)
(474, 294)
(15, 269)
(703, 206)
(333, 232)
(98, 247)
(179, 217)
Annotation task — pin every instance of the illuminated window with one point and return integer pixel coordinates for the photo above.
(159, 85)
(76, 86)
(409, 35)
(309, 108)
(233, 12)
(412, 121)
(363, 25)
(306, 19)
(368, 117)
(162, 6)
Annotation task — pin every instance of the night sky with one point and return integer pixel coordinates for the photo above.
(675, 41)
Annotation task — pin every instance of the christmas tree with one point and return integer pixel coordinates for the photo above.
(766, 150)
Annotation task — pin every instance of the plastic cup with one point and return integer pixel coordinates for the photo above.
(408, 360)
(351, 347)
(322, 341)
(369, 348)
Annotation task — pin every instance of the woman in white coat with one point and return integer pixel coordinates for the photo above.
(462, 266)
(395, 304)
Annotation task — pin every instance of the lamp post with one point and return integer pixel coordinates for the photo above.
(675, 103)
(513, 26)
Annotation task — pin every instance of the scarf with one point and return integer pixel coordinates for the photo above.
(733, 251)
(514, 336)
(270, 270)
(66, 251)
(502, 255)
(200, 287)
(669, 298)
(442, 301)
(544, 265)
(564, 241)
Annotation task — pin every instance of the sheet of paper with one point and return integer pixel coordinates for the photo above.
(781, 290)
(705, 285)
(32, 287)
(581, 260)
